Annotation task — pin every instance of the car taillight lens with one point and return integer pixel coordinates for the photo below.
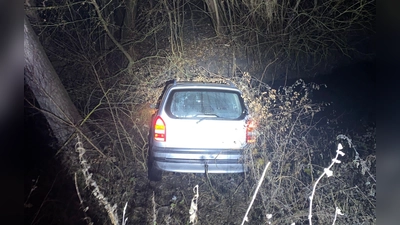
(250, 135)
(159, 129)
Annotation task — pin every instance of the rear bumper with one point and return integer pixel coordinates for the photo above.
(198, 160)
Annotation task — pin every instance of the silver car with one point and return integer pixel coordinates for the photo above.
(199, 128)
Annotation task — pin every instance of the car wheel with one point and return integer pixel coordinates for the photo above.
(154, 174)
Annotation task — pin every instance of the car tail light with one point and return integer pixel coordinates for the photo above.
(159, 129)
(250, 128)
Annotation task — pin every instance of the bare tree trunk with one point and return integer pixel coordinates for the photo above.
(214, 10)
(129, 19)
(111, 35)
(42, 79)
(129, 24)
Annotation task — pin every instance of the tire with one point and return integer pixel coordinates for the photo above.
(154, 174)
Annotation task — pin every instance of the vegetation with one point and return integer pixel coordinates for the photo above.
(115, 57)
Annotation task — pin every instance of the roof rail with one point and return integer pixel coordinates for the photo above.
(227, 82)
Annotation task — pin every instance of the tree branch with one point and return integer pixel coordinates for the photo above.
(103, 22)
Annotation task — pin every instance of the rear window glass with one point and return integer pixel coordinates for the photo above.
(205, 103)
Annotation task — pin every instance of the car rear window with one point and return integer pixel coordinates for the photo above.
(205, 103)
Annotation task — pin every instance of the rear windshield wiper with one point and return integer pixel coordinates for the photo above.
(205, 116)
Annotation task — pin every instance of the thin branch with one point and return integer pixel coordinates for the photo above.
(255, 193)
(104, 23)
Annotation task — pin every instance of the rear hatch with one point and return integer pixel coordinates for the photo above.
(205, 118)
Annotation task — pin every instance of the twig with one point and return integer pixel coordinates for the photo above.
(209, 182)
(111, 110)
(111, 210)
(245, 219)
(193, 206)
(337, 212)
(328, 173)
(154, 210)
(44, 200)
(123, 215)
(120, 47)
(32, 189)
(85, 209)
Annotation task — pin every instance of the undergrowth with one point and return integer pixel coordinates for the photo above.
(290, 135)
